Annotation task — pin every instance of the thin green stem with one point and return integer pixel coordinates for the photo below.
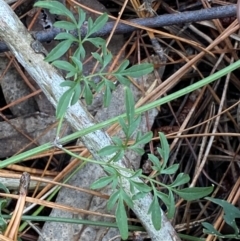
(59, 126)
(35, 213)
(139, 110)
(151, 180)
(74, 221)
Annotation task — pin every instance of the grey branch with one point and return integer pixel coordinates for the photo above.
(153, 22)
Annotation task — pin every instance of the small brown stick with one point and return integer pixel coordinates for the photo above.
(2, 238)
(12, 229)
(238, 11)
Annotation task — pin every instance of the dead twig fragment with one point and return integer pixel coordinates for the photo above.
(12, 229)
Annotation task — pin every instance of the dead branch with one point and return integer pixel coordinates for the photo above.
(153, 22)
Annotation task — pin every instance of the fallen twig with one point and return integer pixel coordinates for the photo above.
(153, 22)
(12, 229)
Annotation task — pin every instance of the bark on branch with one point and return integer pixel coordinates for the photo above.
(48, 78)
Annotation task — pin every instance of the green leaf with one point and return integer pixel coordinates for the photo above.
(181, 179)
(89, 26)
(164, 197)
(118, 156)
(81, 17)
(109, 83)
(76, 94)
(97, 41)
(170, 170)
(107, 57)
(110, 170)
(113, 199)
(67, 83)
(6, 190)
(186, 237)
(117, 141)
(65, 35)
(3, 223)
(55, 7)
(78, 63)
(137, 173)
(123, 125)
(3, 203)
(230, 212)
(138, 70)
(164, 151)
(133, 126)
(123, 80)
(70, 74)
(168, 200)
(155, 211)
(155, 161)
(109, 150)
(123, 66)
(88, 93)
(171, 205)
(59, 50)
(61, 64)
(115, 183)
(121, 218)
(98, 24)
(107, 95)
(98, 57)
(80, 52)
(138, 138)
(130, 105)
(210, 229)
(126, 198)
(63, 103)
(146, 138)
(139, 195)
(132, 188)
(194, 193)
(65, 25)
(101, 182)
(142, 187)
(138, 150)
(228, 207)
